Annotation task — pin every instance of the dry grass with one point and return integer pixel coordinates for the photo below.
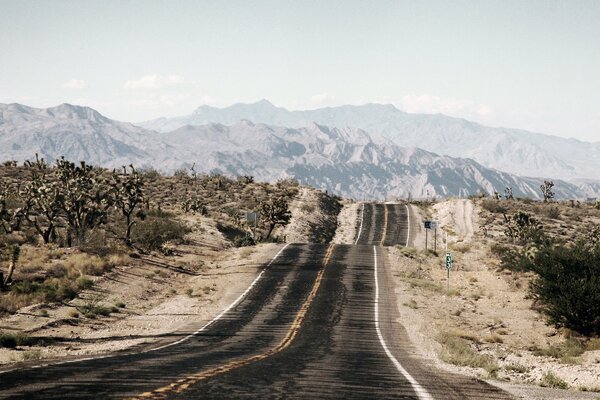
(551, 380)
(458, 351)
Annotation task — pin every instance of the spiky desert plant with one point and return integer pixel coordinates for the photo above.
(45, 196)
(508, 193)
(13, 210)
(128, 197)
(275, 212)
(86, 199)
(546, 189)
(523, 227)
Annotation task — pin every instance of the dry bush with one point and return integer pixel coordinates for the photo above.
(458, 351)
(85, 264)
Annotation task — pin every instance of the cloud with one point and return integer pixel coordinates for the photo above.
(430, 104)
(75, 84)
(154, 82)
(322, 99)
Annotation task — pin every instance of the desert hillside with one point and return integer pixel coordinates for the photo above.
(190, 253)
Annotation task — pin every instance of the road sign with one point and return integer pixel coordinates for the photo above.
(448, 261)
(431, 224)
(251, 216)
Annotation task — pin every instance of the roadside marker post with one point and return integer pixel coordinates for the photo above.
(448, 267)
(252, 216)
(427, 225)
(431, 225)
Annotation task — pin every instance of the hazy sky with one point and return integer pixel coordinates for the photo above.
(523, 64)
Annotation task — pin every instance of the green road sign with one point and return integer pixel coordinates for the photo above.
(448, 260)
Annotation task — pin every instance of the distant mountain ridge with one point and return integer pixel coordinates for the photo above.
(347, 161)
(512, 150)
(78, 133)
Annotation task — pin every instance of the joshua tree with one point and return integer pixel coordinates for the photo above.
(522, 227)
(275, 212)
(11, 218)
(496, 195)
(13, 211)
(44, 196)
(86, 198)
(508, 193)
(128, 192)
(546, 189)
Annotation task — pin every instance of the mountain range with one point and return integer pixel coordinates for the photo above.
(516, 151)
(345, 160)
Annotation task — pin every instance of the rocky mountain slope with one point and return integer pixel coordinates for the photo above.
(346, 161)
(78, 133)
(515, 151)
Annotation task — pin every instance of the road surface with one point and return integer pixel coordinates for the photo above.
(320, 322)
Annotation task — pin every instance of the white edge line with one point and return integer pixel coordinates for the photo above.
(408, 223)
(235, 303)
(362, 217)
(421, 392)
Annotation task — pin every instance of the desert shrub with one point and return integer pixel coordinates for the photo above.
(458, 351)
(551, 380)
(86, 264)
(12, 340)
(568, 285)
(242, 241)
(569, 348)
(157, 229)
(551, 212)
(494, 206)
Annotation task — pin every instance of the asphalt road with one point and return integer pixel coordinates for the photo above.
(320, 322)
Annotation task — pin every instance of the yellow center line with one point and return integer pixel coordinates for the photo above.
(385, 221)
(184, 383)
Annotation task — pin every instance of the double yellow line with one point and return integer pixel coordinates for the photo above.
(184, 383)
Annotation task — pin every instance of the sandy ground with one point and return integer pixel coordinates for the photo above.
(348, 221)
(489, 307)
(304, 213)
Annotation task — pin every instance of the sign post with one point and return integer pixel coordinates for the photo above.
(431, 225)
(252, 216)
(448, 267)
(427, 225)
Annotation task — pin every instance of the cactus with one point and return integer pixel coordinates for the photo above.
(86, 198)
(523, 227)
(496, 195)
(193, 205)
(547, 192)
(128, 196)
(508, 193)
(275, 212)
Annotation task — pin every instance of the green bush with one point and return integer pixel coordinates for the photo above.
(568, 285)
(494, 206)
(243, 241)
(157, 229)
(12, 340)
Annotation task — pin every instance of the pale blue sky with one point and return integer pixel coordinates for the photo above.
(532, 65)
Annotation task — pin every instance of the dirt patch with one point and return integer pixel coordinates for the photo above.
(314, 217)
(348, 221)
